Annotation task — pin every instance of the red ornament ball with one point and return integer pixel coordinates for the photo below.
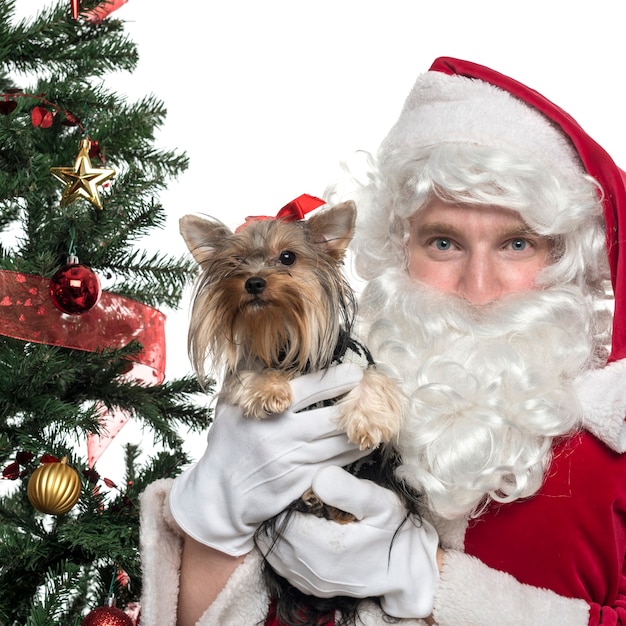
(75, 289)
(107, 616)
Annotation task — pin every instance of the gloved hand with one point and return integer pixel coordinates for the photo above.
(252, 469)
(383, 554)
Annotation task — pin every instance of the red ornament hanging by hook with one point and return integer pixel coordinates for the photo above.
(75, 288)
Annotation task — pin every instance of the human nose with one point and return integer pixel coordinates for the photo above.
(480, 281)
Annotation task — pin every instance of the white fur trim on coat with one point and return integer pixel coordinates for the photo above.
(455, 109)
(472, 594)
(244, 599)
(602, 393)
(242, 602)
(160, 544)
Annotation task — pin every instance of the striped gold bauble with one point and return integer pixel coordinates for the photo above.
(54, 488)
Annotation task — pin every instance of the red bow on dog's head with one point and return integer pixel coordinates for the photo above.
(291, 212)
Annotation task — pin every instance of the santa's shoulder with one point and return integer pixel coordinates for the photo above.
(602, 394)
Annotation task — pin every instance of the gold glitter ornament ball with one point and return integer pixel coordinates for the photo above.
(54, 488)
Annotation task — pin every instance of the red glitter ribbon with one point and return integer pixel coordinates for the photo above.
(27, 313)
(291, 212)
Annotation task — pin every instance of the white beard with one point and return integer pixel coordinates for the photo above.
(488, 388)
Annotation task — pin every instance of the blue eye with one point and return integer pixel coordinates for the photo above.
(443, 244)
(519, 244)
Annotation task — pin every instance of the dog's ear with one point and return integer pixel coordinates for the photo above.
(202, 236)
(333, 228)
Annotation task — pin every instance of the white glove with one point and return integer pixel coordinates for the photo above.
(383, 554)
(252, 469)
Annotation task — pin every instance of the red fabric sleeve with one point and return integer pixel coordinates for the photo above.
(571, 536)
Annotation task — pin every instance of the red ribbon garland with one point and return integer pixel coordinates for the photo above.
(291, 212)
(98, 13)
(27, 313)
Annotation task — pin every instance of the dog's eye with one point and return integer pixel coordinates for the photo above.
(287, 257)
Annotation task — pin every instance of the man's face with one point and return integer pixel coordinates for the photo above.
(478, 253)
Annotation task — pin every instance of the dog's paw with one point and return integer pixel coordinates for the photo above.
(260, 394)
(310, 503)
(266, 405)
(364, 433)
(372, 412)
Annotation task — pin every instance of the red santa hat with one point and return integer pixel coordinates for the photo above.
(459, 101)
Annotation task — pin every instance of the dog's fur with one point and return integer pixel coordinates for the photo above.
(271, 303)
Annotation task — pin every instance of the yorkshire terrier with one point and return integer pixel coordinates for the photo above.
(271, 303)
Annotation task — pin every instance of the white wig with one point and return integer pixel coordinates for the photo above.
(465, 141)
(485, 407)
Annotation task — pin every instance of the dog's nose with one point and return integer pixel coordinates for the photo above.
(255, 285)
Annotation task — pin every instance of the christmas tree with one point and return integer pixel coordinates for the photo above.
(81, 333)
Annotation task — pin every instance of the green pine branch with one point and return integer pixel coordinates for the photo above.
(53, 41)
(55, 569)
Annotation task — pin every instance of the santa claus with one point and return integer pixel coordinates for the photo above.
(488, 235)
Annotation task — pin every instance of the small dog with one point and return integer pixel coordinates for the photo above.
(271, 303)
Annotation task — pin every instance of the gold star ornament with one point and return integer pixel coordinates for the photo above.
(82, 180)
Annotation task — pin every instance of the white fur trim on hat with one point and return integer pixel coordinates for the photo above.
(444, 108)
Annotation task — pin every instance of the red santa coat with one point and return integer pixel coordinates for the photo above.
(571, 536)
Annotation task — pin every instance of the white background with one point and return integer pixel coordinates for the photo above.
(269, 97)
